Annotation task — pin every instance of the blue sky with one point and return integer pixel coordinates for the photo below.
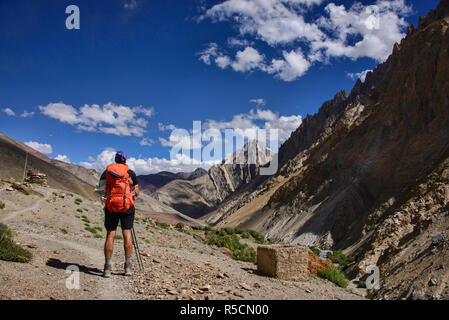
(163, 64)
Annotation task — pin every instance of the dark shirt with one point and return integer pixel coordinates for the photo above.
(131, 173)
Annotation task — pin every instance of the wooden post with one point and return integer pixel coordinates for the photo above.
(25, 168)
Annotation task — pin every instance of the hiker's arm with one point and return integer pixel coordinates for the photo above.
(101, 185)
(103, 181)
(133, 176)
(136, 190)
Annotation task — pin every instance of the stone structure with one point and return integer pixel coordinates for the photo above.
(36, 177)
(286, 262)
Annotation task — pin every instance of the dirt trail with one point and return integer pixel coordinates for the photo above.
(13, 214)
(105, 288)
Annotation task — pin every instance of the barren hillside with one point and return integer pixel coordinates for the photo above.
(12, 163)
(152, 182)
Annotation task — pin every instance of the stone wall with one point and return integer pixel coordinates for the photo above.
(283, 262)
(36, 177)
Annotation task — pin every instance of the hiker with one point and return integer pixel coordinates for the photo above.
(121, 188)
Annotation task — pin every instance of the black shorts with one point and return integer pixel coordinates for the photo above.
(126, 219)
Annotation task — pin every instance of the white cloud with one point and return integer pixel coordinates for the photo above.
(163, 127)
(306, 2)
(379, 27)
(142, 166)
(42, 148)
(223, 62)
(258, 102)
(247, 60)
(210, 52)
(27, 114)
(235, 42)
(361, 30)
(244, 124)
(146, 142)
(292, 67)
(185, 142)
(62, 158)
(101, 161)
(9, 112)
(131, 4)
(273, 21)
(62, 112)
(109, 118)
(148, 112)
(359, 75)
(285, 124)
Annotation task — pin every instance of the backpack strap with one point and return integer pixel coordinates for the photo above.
(112, 173)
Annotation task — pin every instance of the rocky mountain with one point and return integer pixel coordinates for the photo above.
(151, 182)
(369, 172)
(193, 175)
(89, 176)
(201, 195)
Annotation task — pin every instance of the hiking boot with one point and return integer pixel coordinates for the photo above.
(107, 271)
(128, 269)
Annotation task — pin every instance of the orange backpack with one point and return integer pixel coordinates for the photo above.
(118, 188)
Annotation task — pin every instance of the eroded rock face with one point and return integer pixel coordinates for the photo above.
(380, 145)
(410, 243)
(152, 182)
(313, 127)
(351, 174)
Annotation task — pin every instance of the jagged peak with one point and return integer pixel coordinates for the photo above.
(253, 152)
(341, 95)
(198, 172)
(441, 12)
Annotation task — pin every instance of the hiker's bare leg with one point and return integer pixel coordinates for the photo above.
(127, 242)
(108, 249)
(109, 244)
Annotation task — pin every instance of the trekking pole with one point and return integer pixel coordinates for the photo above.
(136, 248)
